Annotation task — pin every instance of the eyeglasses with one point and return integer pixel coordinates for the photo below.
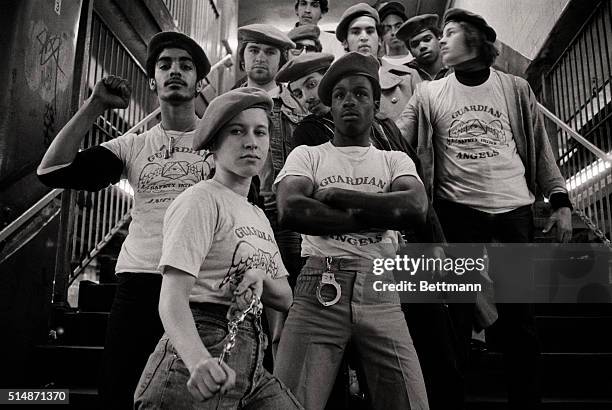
(299, 49)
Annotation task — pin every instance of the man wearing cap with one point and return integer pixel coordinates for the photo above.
(310, 12)
(421, 34)
(359, 30)
(306, 39)
(487, 139)
(349, 200)
(263, 50)
(176, 66)
(303, 76)
(392, 15)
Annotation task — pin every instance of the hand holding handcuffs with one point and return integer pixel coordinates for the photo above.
(328, 279)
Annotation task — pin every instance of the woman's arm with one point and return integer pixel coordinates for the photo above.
(275, 293)
(207, 376)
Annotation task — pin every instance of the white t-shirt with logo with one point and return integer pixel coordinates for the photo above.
(216, 235)
(156, 182)
(364, 169)
(477, 163)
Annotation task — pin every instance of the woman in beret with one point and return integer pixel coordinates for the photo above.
(218, 254)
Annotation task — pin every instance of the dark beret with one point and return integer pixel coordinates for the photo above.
(392, 7)
(352, 63)
(350, 14)
(307, 31)
(225, 107)
(265, 34)
(416, 25)
(172, 39)
(476, 20)
(303, 65)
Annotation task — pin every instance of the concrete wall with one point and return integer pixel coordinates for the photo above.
(521, 24)
(281, 13)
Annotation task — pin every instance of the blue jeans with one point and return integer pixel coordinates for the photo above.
(314, 338)
(163, 384)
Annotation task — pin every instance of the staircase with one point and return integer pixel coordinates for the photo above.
(576, 344)
(72, 359)
(576, 340)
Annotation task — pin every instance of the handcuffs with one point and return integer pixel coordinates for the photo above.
(328, 279)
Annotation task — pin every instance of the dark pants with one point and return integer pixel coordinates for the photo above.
(516, 325)
(133, 330)
(432, 332)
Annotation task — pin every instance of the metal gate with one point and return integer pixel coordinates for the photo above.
(580, 94)
(98, 215)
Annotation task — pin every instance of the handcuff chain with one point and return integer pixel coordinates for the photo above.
(232, 326)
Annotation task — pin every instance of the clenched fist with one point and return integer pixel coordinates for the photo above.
(112, 92)
(209, 377)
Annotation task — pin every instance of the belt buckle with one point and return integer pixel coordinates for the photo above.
(328, 279)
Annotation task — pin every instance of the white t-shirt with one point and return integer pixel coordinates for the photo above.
(216, 235)
(364, 169)
(477, 163)
(156, 181)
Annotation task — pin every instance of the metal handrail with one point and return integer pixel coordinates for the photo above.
(587, 144)
(23, 218)
(33, 210)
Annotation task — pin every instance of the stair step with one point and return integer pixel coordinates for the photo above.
(575, 333)
(85, 398)
(67, 366)
(96, 297)
(563, 375)
(573, 309)
(498, 403)
(82, 328)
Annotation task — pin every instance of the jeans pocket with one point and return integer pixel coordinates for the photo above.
(153, 365)
(307, 283)
(213, 336)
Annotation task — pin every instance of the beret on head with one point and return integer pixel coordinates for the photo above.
(416, 25)
(352, 63)
(476, 20)
(392, 7)
(350, 14)
(225, 107)
(305, 32)
(303, 65)
(265, 34)
(172, 39)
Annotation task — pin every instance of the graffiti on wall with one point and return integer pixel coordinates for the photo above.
(45, 64)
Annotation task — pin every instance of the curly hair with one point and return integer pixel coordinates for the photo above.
(476, 39)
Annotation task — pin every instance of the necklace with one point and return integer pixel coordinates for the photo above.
(171, 142)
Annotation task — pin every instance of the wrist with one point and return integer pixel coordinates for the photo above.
(560, 200)
(195, 362)
(96, 104)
